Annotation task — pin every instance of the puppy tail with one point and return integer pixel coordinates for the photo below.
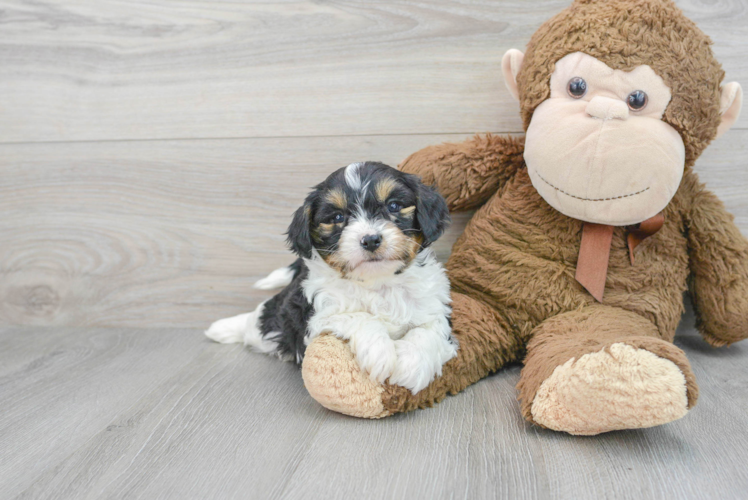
(280, 277)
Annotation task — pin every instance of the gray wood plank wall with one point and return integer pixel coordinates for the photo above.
(151, 154)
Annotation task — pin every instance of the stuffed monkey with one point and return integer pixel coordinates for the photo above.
(587, 232)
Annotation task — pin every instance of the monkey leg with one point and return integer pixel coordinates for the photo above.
(333, 378)
(601, 369)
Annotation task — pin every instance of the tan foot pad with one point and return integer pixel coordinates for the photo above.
(617, 388)
(334, 379)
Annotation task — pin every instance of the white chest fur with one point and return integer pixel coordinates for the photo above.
(397, 326)
(416, 297)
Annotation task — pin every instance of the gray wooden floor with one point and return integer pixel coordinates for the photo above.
(163, 413)
(151, 154)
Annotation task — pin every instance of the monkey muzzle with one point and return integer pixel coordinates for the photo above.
(595, 162)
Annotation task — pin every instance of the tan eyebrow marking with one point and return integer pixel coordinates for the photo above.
(384, 188)
(337, 197)
(407, 211)
(325, 229)
(322, 230)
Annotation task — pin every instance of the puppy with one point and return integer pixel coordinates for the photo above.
(366, 274)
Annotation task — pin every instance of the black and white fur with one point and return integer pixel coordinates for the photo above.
(365, 273)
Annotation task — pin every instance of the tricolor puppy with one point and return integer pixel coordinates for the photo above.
(365, 274)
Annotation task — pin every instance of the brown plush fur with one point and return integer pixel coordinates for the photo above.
(345, 388)
(512, 271)
(576, 333)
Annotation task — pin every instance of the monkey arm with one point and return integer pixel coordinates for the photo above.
(718, 255)
(468, 173)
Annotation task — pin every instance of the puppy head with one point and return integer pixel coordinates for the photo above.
(368, 220)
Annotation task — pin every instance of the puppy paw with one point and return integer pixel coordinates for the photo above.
(415, 368)
(228, 330)
(377, 356)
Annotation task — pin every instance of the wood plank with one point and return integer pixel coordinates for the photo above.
(174, 233)
(22, 346)
(230, 423)
(158, 233)
(141, 232)
(74, 387)
(122, 69)
(473, 445)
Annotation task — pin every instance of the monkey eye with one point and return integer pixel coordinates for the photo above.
(576, 87)
(637, 100)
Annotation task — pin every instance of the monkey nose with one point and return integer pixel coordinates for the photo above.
(606, 108)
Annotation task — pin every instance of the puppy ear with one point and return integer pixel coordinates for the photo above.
(432, 213)
(299, 234)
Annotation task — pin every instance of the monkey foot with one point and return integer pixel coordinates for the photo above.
(621, 387)
(334, 379)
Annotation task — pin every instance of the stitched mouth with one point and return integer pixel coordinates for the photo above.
(592, 199)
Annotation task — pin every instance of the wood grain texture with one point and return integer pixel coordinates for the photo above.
(132, 413)
(159, 233)
(123, 69)
(211, 413)
(70, 389)
(151, 154)
(174, 233)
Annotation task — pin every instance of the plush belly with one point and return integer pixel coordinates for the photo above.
(520, 255)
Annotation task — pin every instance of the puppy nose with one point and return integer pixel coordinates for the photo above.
(371, 242)
(606, 108)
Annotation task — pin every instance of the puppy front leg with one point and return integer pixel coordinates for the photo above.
(421, 353)
(369, 342)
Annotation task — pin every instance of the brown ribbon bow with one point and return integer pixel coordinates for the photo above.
(594, 251)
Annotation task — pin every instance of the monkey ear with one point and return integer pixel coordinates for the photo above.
(730, 102)
(510, 64)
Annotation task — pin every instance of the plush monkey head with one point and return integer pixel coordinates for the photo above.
(617, 97)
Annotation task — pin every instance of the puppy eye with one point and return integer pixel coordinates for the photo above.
(394, 207)
(576, 87)
(637, 100)
(337, 219)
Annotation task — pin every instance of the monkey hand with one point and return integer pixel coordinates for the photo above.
(718, 254)
(722, 310)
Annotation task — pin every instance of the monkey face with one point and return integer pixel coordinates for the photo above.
(597, 150)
